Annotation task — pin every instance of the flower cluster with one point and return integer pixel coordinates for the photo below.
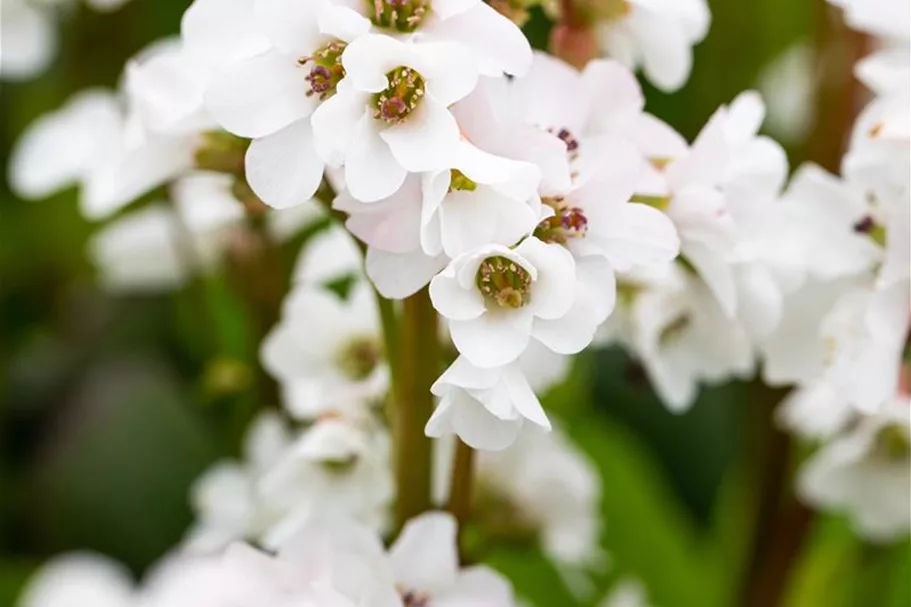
(539, 209)
(848, 344)
(328, 562)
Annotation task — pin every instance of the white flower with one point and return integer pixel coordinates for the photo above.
(226, 499)
(70, 146)
(389, 116)
(411, 234)
(158, 247)
(75, 580)
(29, 40)
(866, 472)
(884, 18)
(270, 96)
(626, 593)
(327, 351)
(391, 228)
(683, 338)
(602, 102)
(841, 338)
(497, 299)
(329, 256)
(340, 465)
(425, 565)
(657, 34)
(787, 83)
(486, 408)
(493, 41)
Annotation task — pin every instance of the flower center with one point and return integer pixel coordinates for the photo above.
(359, 357)
(401, 15)
(892, 444)
(504, 283)
(564, 135)
(459, 182)
(567, 222)
(326, 69)
(609, 9)
(674, 329)
(410, 598)
(403, 95)
(867, 225)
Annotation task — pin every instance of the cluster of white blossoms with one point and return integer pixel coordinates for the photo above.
(542, 210)
(844, 337)
(326, 563)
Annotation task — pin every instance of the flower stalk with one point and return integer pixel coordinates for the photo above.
(418, 367)
(460, 493)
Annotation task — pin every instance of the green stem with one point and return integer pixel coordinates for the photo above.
(418, 369)
(460, 493)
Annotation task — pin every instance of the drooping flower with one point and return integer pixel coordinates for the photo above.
(485, 408)
(866, 472)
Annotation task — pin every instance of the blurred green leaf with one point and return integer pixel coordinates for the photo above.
(115, 476)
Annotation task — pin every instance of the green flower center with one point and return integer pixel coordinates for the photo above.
(892, 444)
(459, 182)
(403, 95)
(326, 69)
(607, 10)
(504, 283)
(400, 15)
(675, 329)
(868, 225)
(568, 222)
(359, 357)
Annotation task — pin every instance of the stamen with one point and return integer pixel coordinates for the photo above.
(459, 182)
(567, 222)
(400, 15)
(359, 357)
(403, 95)
(504, 283)
(326, 69)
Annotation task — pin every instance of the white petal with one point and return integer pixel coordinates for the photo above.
(343, 23)
(260, 95)
(478, 586)
(219, 32)
(291, 26)
(371, 170)
(62, 147)
(554, 290)
(464, 416)
(494, 339)
(426, 140)
(570, 334)
(524, 399)
(497, 44)
(368, 59)
(425, 557)
(397, 276)
(638, 235)
(283, 168)
(29, 41)
(335, 123)
(666, 53)
(452, 300)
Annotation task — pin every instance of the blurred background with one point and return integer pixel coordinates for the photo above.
(110, 406)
